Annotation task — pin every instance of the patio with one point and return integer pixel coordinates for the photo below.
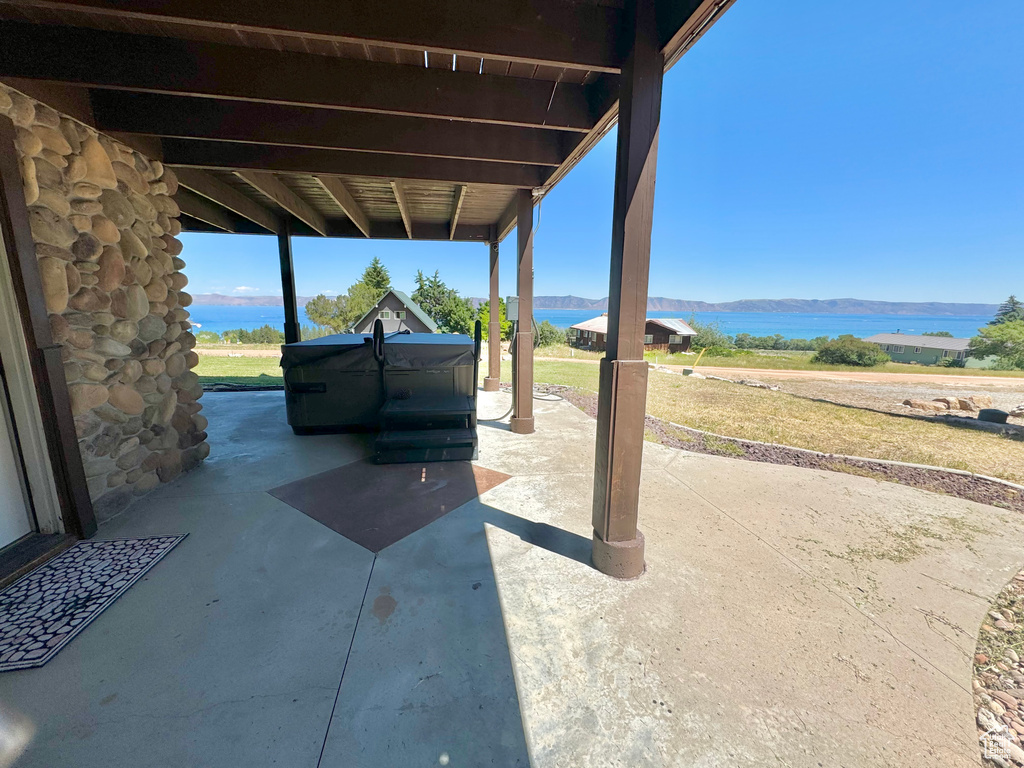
(787, 617)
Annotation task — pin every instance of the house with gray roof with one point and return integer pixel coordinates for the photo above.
(924, 350)
(397, 312)
(662, 334)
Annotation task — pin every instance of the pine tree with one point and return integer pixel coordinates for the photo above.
(377, 278)
(1008, 312)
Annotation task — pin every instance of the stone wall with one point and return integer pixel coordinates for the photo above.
(104, 221)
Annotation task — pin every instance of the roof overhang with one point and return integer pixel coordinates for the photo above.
(347, 119)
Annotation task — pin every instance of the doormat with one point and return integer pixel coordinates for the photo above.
(44, 610)
(376, 505)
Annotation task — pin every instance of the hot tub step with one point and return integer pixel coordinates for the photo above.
(398, 446)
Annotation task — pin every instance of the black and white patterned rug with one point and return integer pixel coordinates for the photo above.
(42, 611)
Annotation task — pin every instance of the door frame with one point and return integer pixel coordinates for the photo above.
(35, 370)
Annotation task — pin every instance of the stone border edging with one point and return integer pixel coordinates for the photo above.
(890, 462)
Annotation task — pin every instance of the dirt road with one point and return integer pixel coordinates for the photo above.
(869, 376)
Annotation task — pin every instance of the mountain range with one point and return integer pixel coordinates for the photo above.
(661, 304)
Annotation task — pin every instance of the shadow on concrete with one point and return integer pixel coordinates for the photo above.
(429, 679)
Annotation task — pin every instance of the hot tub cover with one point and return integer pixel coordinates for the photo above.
(428, 350)
(350, 349)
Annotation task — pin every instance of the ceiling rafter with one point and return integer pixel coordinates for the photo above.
(272, 187)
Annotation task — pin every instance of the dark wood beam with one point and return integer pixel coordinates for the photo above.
(269, 185)
(618, 545)
(403, 206)
(230, 156)
(340, 194)
(184, 117)
(128, 62)
(227, 196)
(205, 210)
(522, 362)
(493, 379)
(395, 230)
(563, 33)
(460, 197)
(292, 330)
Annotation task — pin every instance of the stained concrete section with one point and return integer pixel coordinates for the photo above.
(787, 617)
(229, 652)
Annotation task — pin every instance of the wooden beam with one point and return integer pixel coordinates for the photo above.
(203, 209)
(224, 195)
(269, 185)
(522, 362)
(460, 196)
(292, 329)
(130, 62)
(618, 546)
(403, 206)
(395, 230)
(185, 117)
(231, 156)
(337, 190)
(558, 33)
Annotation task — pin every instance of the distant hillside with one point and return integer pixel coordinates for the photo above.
(660, 304)
(219, 299)
(810, 306)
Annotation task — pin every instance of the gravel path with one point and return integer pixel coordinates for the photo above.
(935, 480)
(998, 681)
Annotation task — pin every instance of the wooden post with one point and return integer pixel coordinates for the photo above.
(292, 331)
(522, 369)
(76, 507)
(493, 377)
(618, 545)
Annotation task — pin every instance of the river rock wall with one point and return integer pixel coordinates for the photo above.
(104, 221)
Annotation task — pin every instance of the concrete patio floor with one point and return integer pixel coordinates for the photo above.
(788, 617)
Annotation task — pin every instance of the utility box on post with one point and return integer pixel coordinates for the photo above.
(512, 309)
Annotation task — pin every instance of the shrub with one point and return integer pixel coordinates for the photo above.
(849, 350)
(952, 362)
(708, 335)
(548, 334)
(207, 337)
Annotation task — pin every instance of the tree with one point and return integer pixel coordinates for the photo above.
(484, 315)
(1005, 340)
(1009, 311)
(207, 337)
(377, 277)
(849, 350)
(945, 334)
(360, 299)
(548, 334)
(443, 305)
(708, 335)
(328, 313)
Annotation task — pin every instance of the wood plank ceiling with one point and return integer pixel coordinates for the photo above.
(345, 117)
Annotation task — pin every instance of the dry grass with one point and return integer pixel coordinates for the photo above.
(734, 410)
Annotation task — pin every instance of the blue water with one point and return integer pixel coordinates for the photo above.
(792, 325)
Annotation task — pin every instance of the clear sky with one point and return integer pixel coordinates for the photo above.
(808, 149)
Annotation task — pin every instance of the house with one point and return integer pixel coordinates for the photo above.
(923, 350)
(663, 334)
(397, 312)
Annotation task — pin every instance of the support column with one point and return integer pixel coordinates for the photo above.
(522, 361)
(292, 331)
(493, 377)
(618, 545)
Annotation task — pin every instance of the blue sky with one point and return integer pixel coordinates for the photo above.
(808, 149)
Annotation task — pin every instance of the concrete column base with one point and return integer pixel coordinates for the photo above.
(619, 559)
(490, 385)
(522, 425)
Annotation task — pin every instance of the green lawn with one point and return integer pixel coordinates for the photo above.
(262, 371)
(734, 410)
(784, 360)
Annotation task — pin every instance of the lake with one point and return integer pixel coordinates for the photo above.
(792, 325)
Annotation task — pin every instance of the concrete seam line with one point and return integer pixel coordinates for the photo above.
(890, 462)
